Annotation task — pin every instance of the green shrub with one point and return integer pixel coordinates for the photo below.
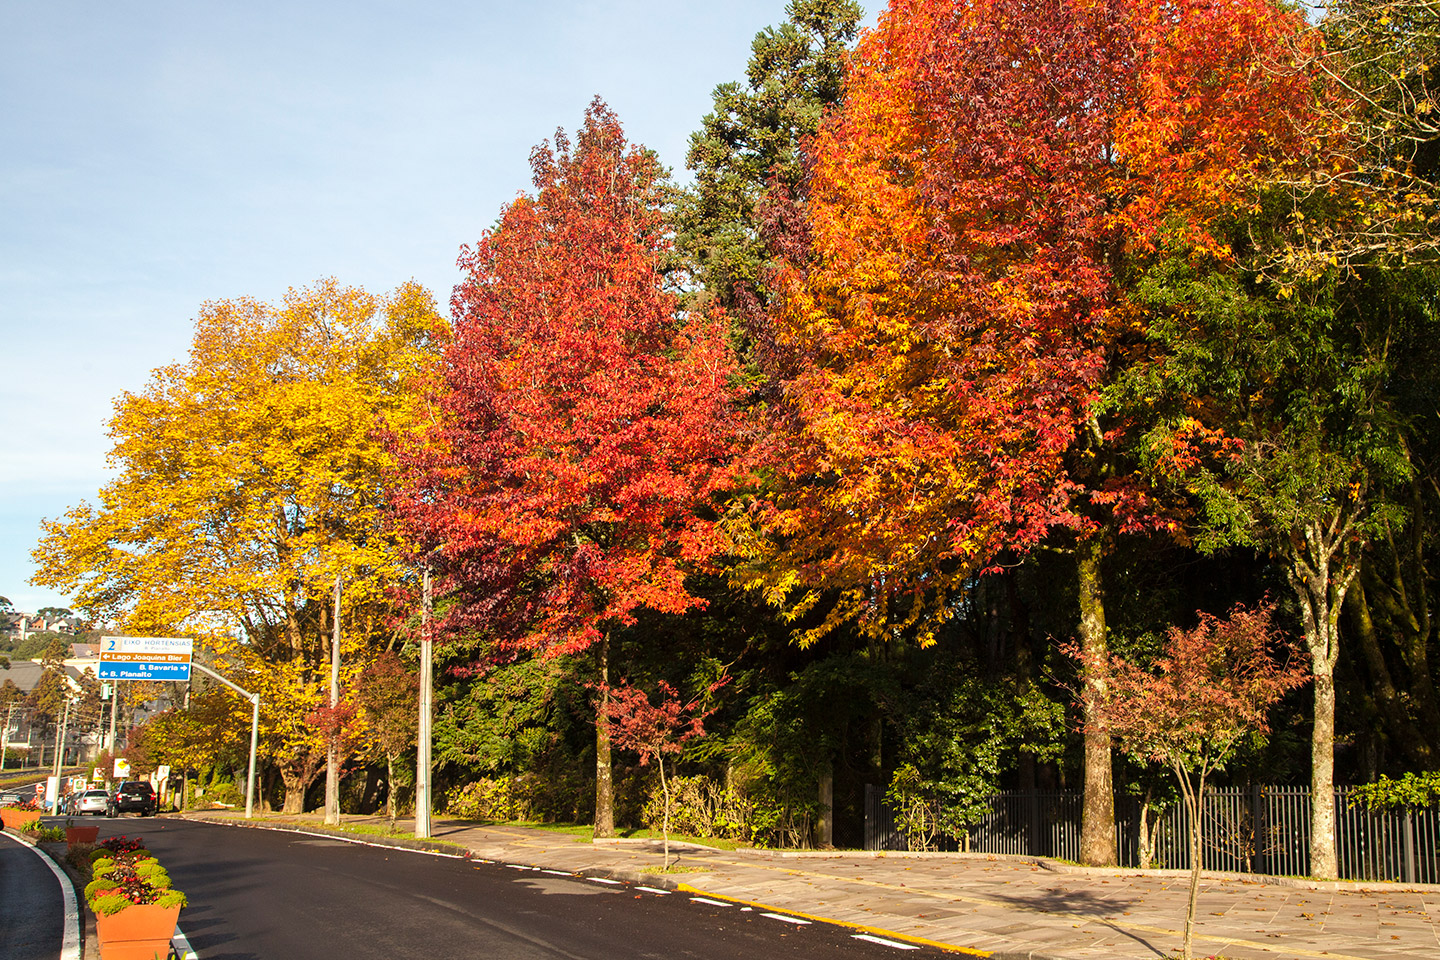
(491, 798)
(41, 833)
(1412, 790)
(700, 807)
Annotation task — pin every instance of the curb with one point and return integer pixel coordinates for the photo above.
(76, 921)
(375, 840)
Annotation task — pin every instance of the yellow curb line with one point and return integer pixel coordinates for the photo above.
(879, 931)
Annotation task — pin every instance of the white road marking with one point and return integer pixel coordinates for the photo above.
(183, 950)
(602, 880)
(781, 916)
(559, 873)
(883, 942)
(361, 843)
(520, 866)
(746, 909)
(70, 929)
(716, 903)
(663, 893)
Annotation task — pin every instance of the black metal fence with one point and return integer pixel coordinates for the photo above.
(1247, 830)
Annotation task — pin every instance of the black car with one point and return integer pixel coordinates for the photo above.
(134, 796)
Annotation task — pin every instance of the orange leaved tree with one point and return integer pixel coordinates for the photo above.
(956, 297)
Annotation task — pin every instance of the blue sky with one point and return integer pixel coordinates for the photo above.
(155, 155)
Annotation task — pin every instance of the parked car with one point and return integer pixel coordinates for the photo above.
(134, 796)
(90, 801)
(7, 798)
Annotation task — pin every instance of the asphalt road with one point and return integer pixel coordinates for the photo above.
(271, 895)
(31, 911)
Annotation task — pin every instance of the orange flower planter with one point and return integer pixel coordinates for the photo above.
(74, 835)
(139, 932)
(15, 819)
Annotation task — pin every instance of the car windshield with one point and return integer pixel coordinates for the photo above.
(94, 793)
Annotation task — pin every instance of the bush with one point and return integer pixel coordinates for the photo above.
(42, 834)
(491, 798)
(224, 792)
(699, 807)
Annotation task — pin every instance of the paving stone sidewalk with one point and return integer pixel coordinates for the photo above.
(1005, 907)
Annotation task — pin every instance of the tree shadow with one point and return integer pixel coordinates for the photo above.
(1097, 908)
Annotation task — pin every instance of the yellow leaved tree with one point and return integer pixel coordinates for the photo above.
(248, 479)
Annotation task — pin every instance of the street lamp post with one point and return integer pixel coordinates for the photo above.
(254, 699)
(422, 749)
(332, 760)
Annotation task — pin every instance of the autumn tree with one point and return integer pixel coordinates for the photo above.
(583, 427)
(250, 478)
(652, 730)
(958, 298)
(388, 696)
(1211, 687)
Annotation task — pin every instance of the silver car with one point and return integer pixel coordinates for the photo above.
(91, 801)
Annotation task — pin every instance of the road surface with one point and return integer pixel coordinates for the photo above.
(272, 895)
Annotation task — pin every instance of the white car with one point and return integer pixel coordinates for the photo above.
(91, 801)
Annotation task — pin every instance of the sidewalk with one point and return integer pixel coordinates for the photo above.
(1005, 907)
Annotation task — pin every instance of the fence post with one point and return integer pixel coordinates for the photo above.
(1258, 829)
(1409, 845)
(1033, 843)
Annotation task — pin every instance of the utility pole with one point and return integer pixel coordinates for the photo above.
(422, 750)
(60, 738)
(114, 711)
(332, 760)
(5, 738)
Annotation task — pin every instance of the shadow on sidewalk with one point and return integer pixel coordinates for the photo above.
(1097, 909)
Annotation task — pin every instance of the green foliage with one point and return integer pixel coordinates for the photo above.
(754, 133)
(41, 833)
(788, 734)
(495, 799)
(1411, 790)
(700, 807)
(958, 733)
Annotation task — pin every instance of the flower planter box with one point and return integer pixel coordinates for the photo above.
(74, 835)
(15, 819)
(139, 932)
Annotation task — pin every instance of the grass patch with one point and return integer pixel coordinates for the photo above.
(10, 780)
(584, 833)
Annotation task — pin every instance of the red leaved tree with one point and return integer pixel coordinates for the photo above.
(584, 418)
(652, 730)
(1212, 686)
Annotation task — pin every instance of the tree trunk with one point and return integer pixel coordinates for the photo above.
(390, 789)
(1323, 860)
(604, 783)
(1324, 560)
(1195, 806)
(665, 815)
(294, 796)
(1097, 817)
